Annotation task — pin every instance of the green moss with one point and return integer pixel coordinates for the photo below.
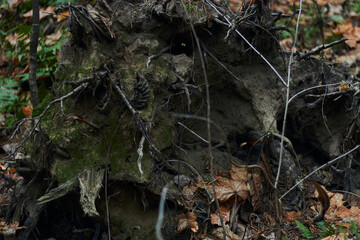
(87, 153)
(147, 113)
(43, 104)
(154, 49)
(163, 136)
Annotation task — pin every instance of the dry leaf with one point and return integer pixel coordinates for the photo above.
(187, 221)
(43, 12)
(62, 16)
(219, 233)
(53, 38)
(27, 110)
(239, 173)
(256, 191)
(291, 216)
(188, 192)
(215, 217)
(340, 236)
(226, 188)
(343, 86)
(16, 3)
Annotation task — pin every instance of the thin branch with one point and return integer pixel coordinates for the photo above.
(212, 176)
(284, 122)
(231, 26)
(202, 139)
(318, 49)
(319, 168)
(38, 118)
(287, 98)
(311, 88)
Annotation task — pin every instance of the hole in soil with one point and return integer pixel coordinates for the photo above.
(64, 219)
(181, 43)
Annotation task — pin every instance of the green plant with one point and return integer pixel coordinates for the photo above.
(7, 94)
(354, 229)
(355, 6)
(325, 229)
(305, 231)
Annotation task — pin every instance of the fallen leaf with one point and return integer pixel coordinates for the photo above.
(187, 221)
(239, 173)
(219, 233)
(62, 16)
(291, 216)
(27, 110)
(188, 192)
(43, 12)
(257, 191)
(16, 3)
(53, 38)
(226, 188)
(215, 217)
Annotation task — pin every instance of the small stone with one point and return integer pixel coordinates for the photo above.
(182, 180)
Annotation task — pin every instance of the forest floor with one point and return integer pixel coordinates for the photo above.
(321, 22)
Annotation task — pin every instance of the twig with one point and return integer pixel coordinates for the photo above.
(207, 115)
(317, 49)
(319, 168)
(139, 121)
(220, 63)
(230, 25)
(38, 118)
(161, 214)
(202, 139)
(284, 122)
(311, 88)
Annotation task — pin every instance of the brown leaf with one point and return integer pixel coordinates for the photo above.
(102, 22)
(62, 16)
(43, 12)
(187, 221)
(188, 192)
(239, 173)
(219, 233)
(226, 188)
(53, 38)
(257, 191)
(291, 216)
(215, 217)
(27, 110)
(15, 3)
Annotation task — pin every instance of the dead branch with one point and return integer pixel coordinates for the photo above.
(317, 49)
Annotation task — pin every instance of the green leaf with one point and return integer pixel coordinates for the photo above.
(7, 94)
(326, 229)
(354, 229)
(305, 231)
(338, 19)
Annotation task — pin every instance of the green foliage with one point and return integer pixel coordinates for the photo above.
(43, 104)
(355, 6)
(7, 94)
(337, 19)
(354, 229)
(17, 57)
(326, 229)
(58, 2)
(305, 231)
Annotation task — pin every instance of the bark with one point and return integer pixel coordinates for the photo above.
(33, 54)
